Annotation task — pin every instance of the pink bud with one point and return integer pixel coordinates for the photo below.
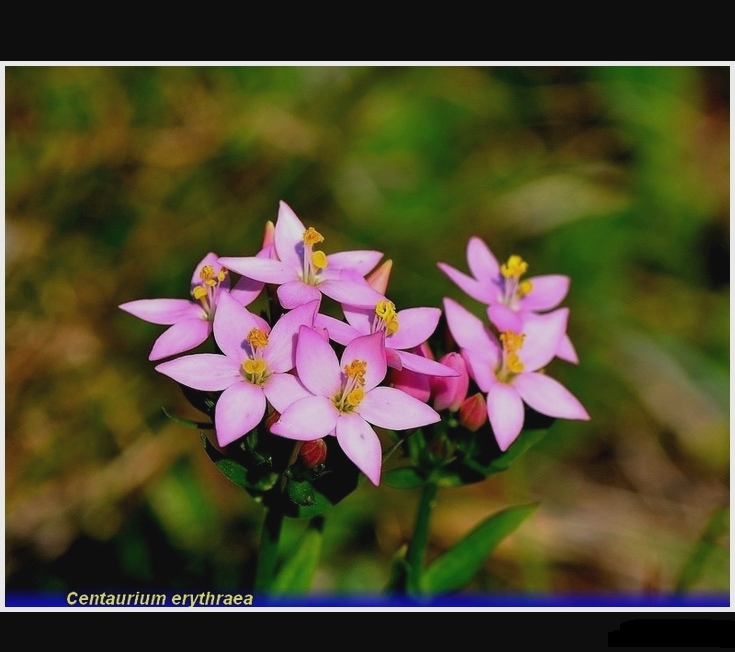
(269, 234)
(378, 278)
(450, 391)
(313, 453)
(416, 385)
(473, 412)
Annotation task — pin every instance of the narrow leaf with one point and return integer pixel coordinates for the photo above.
(405, 477)
(189, 423)
(297, 572)
(457, 566)
(398, 579)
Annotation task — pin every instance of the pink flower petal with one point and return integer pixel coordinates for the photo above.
(164, 311)
(393, 359)
(481, 367)
(309, 418)
(209, 259)
(566, 350)
(232, 323)
(506, 413)
(361, 262)
(351, 293)
(183, 336)
(239, 409)
(280, 354)
(378, 278)
(548, 396)
(246, 290)
(482, 262)
(316, 364)
(360, 443)
(547, 292)
(387, 407)
(370, 349)
(282, 390)
(260, 269)
(296, 293)
(361, 319)
(209, 372)
(483, 293)
(543, 335)
(421, 365)
(415, 325)
(468, 330)
(289, 236)
(338, 331)
(505, 318)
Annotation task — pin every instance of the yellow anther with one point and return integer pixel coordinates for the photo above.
(514, 268)
(356, 369)
(206, 272)
(199, 292)
(524, 288)
(257, 338)
(513, 363)
(319, 258)
(386, 310)
(254, 367)
(392, 326)
(354, 398)
(512, 341)
(221, 274)
(312, 236)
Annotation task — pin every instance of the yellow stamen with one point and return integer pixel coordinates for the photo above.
(514, 268)
(312, 236)
(524, 288)
(257, 338)
(319, 259)
(512, 341)
(513, 363)
(386, 310)
(221, 274)
(199, 292)
(354, 398)
(356, 369)
(392, 326)
(254, 367)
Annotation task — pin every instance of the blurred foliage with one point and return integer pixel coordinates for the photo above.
(119, 179)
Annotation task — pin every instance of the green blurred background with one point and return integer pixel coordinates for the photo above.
(119, 179)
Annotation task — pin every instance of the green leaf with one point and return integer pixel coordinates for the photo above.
(189, 423)
(457, 566)
(405, 477)
(254, 481)
(710, 540)
(301, 493)
(399, 570)
(297, 572)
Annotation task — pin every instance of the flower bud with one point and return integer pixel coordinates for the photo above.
(378, 279)
(271, 418)
(450, 391)
(416, 385)
(313, 453)
(269, 234)
(473, 412)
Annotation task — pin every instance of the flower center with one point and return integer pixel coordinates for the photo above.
(513, 288)
(352, 392)
(204, 290)
(255, 368)
(387, 318)
(314, 261)
(511, 363)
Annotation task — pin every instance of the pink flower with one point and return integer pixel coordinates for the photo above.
(508, 371)
(345, 399)
(302, 273)
(510, 299)
(405, 329)
(190, 320)
(254, 366)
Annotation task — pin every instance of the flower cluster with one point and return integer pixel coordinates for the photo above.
(506, 354)
(284, 371)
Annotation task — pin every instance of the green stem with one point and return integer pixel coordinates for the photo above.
(419, 541)
(267, 555)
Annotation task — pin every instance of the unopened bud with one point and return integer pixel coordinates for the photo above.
(378, 278)
(473, 412)
(450, 391)
(269, 234)
(313, 453)
(271, 418)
